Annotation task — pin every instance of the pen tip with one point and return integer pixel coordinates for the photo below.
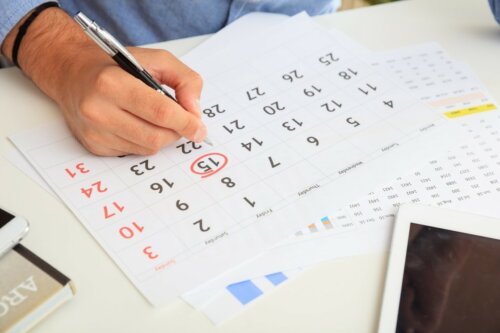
(208, 142)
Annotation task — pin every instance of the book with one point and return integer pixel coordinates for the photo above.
(30, 289)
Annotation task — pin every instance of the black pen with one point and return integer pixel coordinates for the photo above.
(121, 55)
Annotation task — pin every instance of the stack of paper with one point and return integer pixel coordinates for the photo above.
(315, 138)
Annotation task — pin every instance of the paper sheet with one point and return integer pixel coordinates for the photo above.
(475, 174)
(165, 218)
(450, 86)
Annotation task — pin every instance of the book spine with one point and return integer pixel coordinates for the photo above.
(43, 265)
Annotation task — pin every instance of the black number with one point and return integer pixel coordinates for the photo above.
(185, 147)
(181, 205)
(312, 92)
(313, 140)
(328, 59)
(200, 225)
(273, 108)
(248, 145)
(367, 91)
(292, 75)
(207, 167)
(250, 202)
(292, 127)
(236, 124)
(213, 111)
(159, 187)
(389, 104)
(346, 75)
(331, 106)
(254, 93)
(228, 182)
(135, 168)
(352, 122)
(273, 164)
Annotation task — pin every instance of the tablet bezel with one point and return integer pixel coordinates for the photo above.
(428, 216)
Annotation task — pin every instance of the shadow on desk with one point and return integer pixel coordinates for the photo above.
(3, 62)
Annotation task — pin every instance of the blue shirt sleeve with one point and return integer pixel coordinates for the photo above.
(495, 7)
(12, 12)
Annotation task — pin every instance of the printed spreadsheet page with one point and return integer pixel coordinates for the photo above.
(294, 128)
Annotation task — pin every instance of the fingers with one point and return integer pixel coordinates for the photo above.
(146, 103)
(108, 144)
(112, 113)
(102, 151)
(171, 71)
(151, 141)
(99, 118)
(133, 129)
(88, 138)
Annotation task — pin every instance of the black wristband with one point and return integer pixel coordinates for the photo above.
(24, 27)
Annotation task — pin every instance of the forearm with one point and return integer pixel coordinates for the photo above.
(84, 81)
(47, 49)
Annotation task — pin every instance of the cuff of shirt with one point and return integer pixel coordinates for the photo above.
(495, 8)
(11, 12)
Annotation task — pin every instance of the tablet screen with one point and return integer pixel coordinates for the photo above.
(451, 282)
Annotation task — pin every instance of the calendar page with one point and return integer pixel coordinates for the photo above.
(345, 232)
(441, 82)
(293, 254)
(299, 125)
(469, 173)
(348, 87)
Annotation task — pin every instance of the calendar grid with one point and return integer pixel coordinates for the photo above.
(146, 206)
(280, 105)
(161, 220)
(444, 98)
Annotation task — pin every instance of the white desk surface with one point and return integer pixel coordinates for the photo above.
(338, 296)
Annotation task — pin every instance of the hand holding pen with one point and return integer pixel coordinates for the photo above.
(109, 111)
(128, 62)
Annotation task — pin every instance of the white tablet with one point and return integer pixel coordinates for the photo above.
(443, 273)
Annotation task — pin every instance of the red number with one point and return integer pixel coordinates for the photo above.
(87, 191)
(128, 232)
(116, 207)
(98, 186)
(149, 252)
(80, 168)
(208, 164)
(70, 173)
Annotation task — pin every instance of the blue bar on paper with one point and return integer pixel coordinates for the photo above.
(245, 291)
(276, 278)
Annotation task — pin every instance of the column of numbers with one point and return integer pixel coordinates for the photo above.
(129, 227)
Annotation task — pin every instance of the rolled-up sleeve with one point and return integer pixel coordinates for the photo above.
(495, 7)
(13, 11)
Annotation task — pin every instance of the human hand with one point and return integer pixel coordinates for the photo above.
(110, 111)
(113, 113)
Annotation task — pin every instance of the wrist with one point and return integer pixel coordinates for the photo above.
(48, 49)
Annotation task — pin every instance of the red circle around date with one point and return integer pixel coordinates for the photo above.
(208, 164)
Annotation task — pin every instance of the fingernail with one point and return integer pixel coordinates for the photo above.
(197, 107)
(200, 134)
